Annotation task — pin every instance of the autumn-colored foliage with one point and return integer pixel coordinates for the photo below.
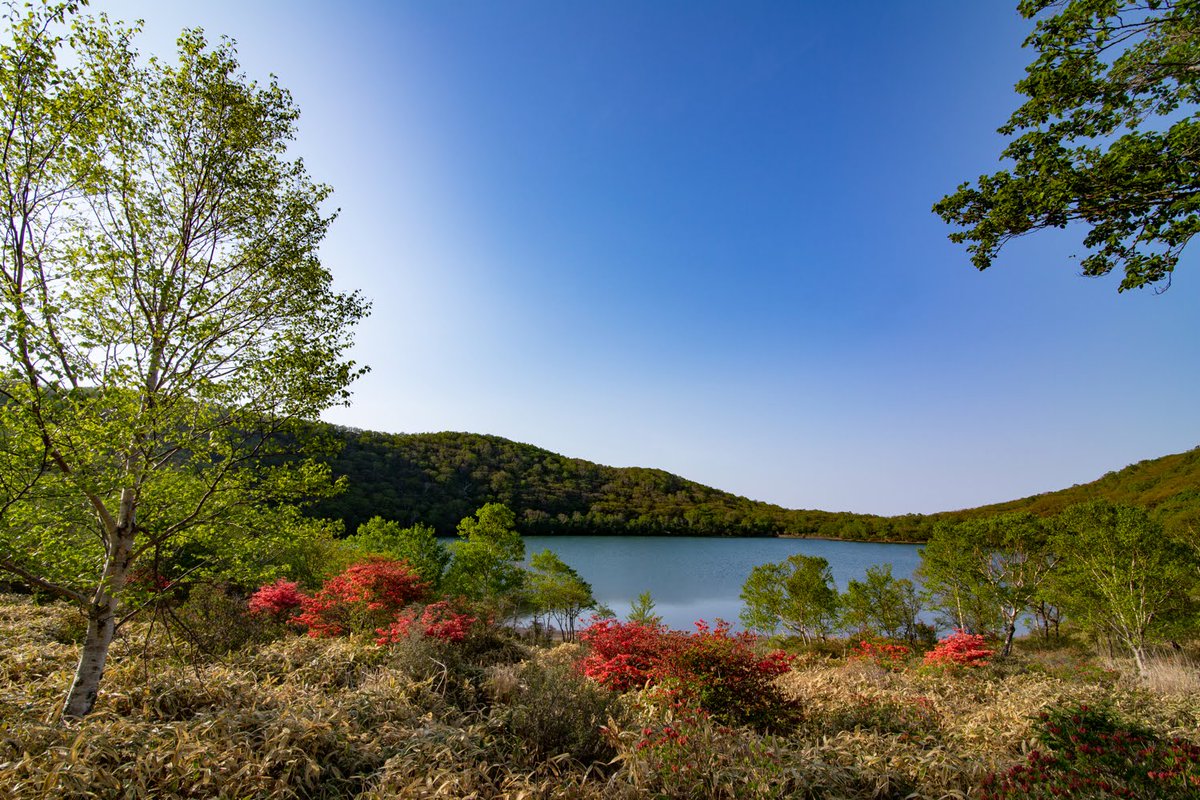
(435, 621)
(960, 649)
(716, 670)
(365, 596)
(725, 674)
(278, 600)
(889, 656)
(622, 655)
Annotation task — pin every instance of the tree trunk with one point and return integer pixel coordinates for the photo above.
(1010, 630)
(102, 614)
(101, 627)
(1139, 658)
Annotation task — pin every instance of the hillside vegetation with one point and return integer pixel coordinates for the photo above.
(439, 478)
(1168, 487)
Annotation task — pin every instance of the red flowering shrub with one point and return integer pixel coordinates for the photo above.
(725, 675)
(436, 621)
(713, 669)
(960, 649)
(621, 655)
(1090, 753)
(365, 596)
(278, 600)
(889, 656)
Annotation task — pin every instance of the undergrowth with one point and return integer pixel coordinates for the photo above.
(488, 717)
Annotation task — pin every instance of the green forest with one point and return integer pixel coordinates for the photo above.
(439, 478)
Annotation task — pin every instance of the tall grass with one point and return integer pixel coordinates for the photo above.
(342, 718)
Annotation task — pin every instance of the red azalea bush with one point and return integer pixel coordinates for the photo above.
(1090, 753)
(724, 674)
(365, 596)
(278, 600)
(622, 655)
(713, 669)
(960, 649)
(889, 656)
(436, 621)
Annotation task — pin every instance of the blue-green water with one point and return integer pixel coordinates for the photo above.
(694, 578)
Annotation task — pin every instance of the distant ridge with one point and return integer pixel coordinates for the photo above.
(1169, 487)
(439, 478)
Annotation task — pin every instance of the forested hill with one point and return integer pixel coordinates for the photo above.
(439, 478)
(1168, 486)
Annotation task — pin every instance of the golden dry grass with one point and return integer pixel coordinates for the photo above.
(304, 718)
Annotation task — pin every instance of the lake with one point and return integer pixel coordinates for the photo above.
(695, 578)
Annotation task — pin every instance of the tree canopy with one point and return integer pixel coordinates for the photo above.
(796, 594)
(1108, 137)
(164, 311)
(486, 561)
(1121, 576)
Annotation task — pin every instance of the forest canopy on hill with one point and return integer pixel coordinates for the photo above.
(439, 478)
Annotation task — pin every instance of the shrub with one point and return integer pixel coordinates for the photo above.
(365, 596)
(891, 657)
(279, 600)
(214, 619)
(622, 655)
(1091, 753)
(960, 649)
(556, 711)
(723, 674)
(436, 621)
(712, 669)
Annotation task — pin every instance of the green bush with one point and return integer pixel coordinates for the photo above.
(556, 711)
(213, 618)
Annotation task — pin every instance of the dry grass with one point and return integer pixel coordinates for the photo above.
(303, 718)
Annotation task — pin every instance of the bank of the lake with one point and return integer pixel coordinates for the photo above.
(695, 578)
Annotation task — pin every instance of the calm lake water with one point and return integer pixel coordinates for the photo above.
(695, 578)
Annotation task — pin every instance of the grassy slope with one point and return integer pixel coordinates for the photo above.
(439, 478)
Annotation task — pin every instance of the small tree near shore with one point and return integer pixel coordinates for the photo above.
(797, 595)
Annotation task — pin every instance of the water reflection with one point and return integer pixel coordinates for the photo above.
(695, 578)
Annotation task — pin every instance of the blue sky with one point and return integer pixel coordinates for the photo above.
(697, 236)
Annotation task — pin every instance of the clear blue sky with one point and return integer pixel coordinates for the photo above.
(697, 236)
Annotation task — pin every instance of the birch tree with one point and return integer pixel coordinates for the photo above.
(1122, 577)
(990, 569)
(163, 307)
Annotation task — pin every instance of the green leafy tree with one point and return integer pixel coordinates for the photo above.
(797, 594)
(641, 611)
(985, 573)
(557, 591)
(164, 311)
(417, 544)
(485, 563)
(883, 604)
(1122, 577)
(1107, 137)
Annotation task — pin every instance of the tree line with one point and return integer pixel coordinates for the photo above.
(438, 478)
(1111, 571)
